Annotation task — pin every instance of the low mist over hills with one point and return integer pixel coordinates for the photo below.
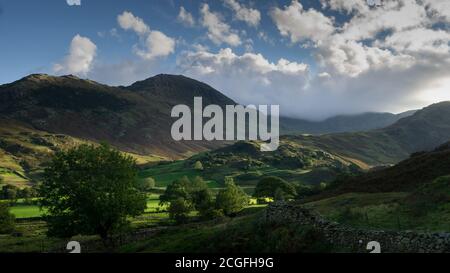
(340, 124)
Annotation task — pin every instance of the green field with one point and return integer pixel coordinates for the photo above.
(21, 210)
(26, 211)
(33, 232)
(165, 174)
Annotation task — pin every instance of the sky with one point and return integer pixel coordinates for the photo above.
(314, 58)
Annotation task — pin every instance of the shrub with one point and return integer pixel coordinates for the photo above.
(198, 166)
(272, 185)
(9, 192)
(232, 199)
(428, 196)
(258, 236)
(147, 184)
(195, 194)
(179, 209)
(7, 219)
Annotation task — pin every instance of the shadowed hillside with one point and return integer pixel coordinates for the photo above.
(420, 169)
(423, 131)
(134, 119)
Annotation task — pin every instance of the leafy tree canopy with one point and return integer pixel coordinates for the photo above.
(147, 184)
(198, 166)
(231, 199)
(7, 219)
(90, 190)
(273, 186)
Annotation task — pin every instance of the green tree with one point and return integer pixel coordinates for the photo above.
(9, 192)
(279, 195)
(198, 191)
(90, 190)
(27, 193)
(195, 194)
(198, 166)
(7, 219)
(179, 209)
(176, 189)
(147, 184)
(231, 199)
(272, 186)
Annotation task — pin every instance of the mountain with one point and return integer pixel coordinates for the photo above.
(41, 114)
(419, 169)
(422, 131)
(134, 119)
(310, 159)
(341, 123)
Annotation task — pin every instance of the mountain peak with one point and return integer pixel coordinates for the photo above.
(178, 88)
(165, 80)
(42, 77)
(37, 77)
(39, 80)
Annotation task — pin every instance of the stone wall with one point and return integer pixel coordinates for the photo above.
(356, 240)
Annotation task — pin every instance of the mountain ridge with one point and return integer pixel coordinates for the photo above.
(423, 131)
(342, 123)
(136, 119)
(417, 170)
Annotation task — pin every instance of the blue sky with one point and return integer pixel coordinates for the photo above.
(43, 30)
(314, 58)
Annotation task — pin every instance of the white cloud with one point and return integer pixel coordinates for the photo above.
(218, 31)
(155, 43)
(128, 21)
(186, 17)
(354, 48)
(351, 58)
(252, 79)
(440, 8)
(227, 61)
(80, 58)
(125, 72)
(419, 40)
(381, 59)
(347, 6)
(300, 24)
(323, 75)
(199, 47)
(249, 78)
(393, 15)
(388, 58)
(251, 16)
(73, 2)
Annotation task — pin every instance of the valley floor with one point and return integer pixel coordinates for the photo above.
(245, 232)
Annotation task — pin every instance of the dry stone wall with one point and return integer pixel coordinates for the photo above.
(355, 240)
